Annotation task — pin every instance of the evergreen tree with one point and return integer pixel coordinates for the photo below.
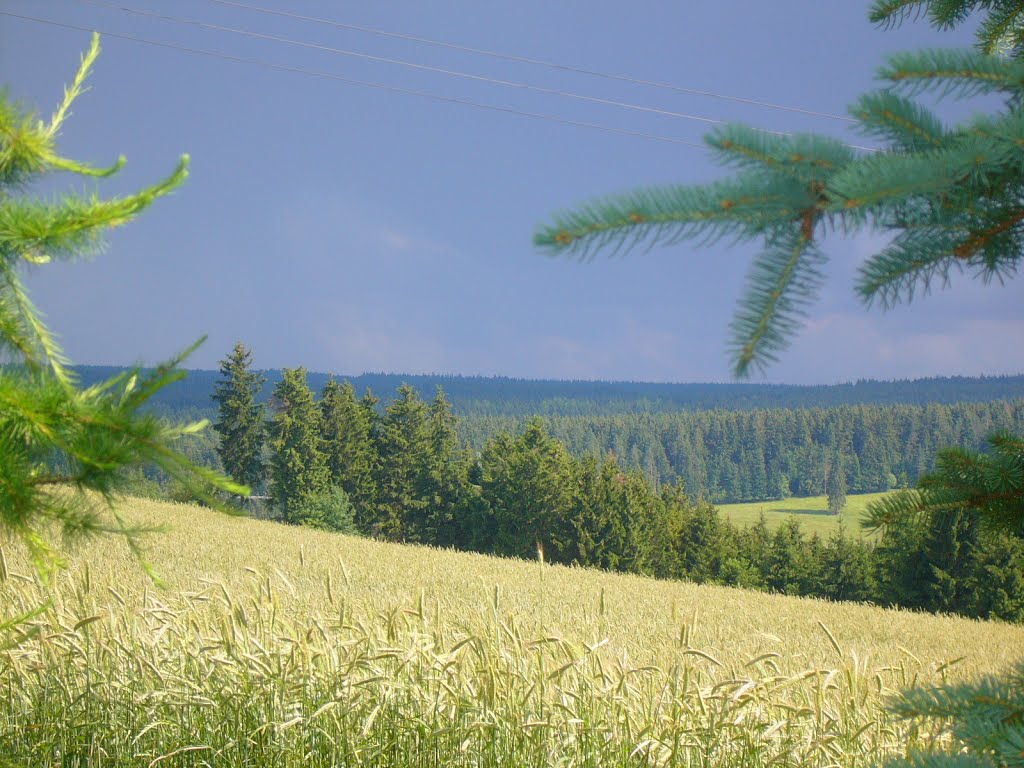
(444, 482)
(996, 584)
(64, 448)
(848, 569)
(349, 450)
(404, 445)
(835, 486)
(298, 471)
(240, 422)
(754, 550)
(329, 509)
(791, 567)
(528, 484)
(599, 516)
(703, 543)
(652, 525)
(952, 544)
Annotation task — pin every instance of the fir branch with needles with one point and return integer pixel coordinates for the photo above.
(63, 448)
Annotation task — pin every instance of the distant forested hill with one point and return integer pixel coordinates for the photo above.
(501, 396)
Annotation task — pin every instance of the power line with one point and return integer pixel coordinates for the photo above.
(539, 62)
(353, 81)
(412, 65)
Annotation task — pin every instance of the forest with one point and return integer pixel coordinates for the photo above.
(339, 461)
(758, 455)
(720, 454)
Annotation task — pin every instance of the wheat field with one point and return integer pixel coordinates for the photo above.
(278, 646)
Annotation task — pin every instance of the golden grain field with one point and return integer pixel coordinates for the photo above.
(280, 646)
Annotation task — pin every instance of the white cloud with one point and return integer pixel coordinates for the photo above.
(397, 240)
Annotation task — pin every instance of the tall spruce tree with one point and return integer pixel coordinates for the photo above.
(348, 447)
(404, 442)
(240, 421)
(835, 486)
(64, 448)
(298, 470)
(444, 482)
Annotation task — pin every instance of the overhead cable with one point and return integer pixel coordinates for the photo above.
(539, 62)
(410, 64)
(424, 67)
(366, 83)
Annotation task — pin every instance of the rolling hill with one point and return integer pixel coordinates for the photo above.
(276, 645)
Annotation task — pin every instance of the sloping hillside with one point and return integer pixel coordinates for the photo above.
(282, 646)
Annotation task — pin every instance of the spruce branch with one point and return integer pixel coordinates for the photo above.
(951, 197)
(666, 215)
(981, 240)
(991, 484)
(802, 157)
(914, 262)
(1002, 30)
(31, 230)
(984, 718)
(22, 146)
(883, 178)
(892, 13)
(782, 283)
(953, 72)
(898, 121)
(38, 346)
(76, 88)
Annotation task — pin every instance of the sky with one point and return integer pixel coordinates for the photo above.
(349, 228)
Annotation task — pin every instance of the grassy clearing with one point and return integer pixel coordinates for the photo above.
(811, 511)
(279, 646)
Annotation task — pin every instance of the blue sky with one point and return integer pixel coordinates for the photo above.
(351, 229)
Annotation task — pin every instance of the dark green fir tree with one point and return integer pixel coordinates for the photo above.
(240, 418)
(346, 433)
(835, 485)
(298, 470)
(444, 483)
(527, 485)
(404, 444)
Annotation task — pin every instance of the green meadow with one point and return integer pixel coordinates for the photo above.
(811, 512)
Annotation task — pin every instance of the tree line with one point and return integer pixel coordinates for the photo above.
(733, 455)
(758, 455)
(401, 473)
